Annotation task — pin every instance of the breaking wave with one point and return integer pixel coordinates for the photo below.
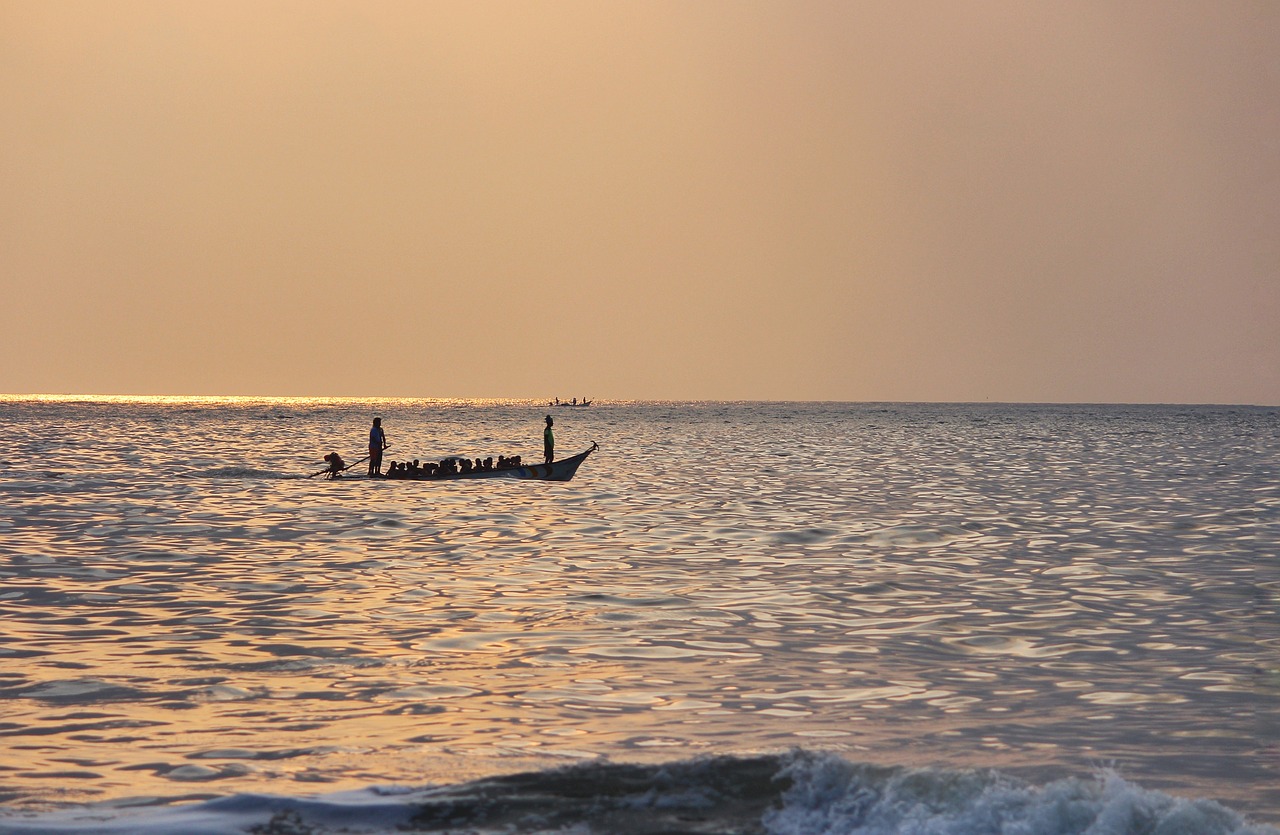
(800, 793)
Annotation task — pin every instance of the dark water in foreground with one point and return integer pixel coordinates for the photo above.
(788, 618)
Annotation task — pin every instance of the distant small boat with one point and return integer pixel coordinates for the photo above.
(562, 470)
(567, 403)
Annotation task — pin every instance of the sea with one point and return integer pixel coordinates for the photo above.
(739, 617)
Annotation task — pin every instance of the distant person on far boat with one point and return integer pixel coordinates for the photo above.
(548, 442)
(377, 443)
(336, 466)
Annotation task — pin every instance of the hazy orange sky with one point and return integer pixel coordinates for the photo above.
(705, 199)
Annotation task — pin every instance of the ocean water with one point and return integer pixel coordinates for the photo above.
(789, 618)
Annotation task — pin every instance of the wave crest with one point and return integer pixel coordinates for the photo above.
(830, 796)
(795, 794)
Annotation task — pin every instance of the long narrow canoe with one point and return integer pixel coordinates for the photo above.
(561, 470)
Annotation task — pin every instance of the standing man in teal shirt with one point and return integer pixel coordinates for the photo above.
(548, 443)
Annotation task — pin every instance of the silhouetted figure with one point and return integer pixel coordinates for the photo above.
(377, 443)
(336, 466)
(548, 442)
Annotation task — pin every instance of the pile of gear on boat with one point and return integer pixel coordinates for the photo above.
(430, 469)
(448, 466)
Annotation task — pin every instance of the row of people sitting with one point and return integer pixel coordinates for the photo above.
(448, 467)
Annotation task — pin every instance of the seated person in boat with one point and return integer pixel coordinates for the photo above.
(336, 466)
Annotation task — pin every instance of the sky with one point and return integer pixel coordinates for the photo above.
(889, 200)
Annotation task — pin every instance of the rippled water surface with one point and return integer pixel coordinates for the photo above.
(1039, 589)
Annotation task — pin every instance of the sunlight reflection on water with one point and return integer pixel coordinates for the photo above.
(1017, 587)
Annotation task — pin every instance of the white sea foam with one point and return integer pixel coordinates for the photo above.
(830, 796)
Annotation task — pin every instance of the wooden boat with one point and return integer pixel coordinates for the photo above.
(571, 405)
(561, 470)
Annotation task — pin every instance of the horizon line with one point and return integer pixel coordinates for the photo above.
(198, 398)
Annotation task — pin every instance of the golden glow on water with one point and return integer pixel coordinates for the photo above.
(183, 611)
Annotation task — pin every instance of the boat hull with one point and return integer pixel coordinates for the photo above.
(562, 470)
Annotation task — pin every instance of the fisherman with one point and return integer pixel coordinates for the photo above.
(336, 466)
(377, 443)
(548, 442)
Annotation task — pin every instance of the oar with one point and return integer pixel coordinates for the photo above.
(313, 475)
(344, 469)
(361, 461)
(349, 466)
